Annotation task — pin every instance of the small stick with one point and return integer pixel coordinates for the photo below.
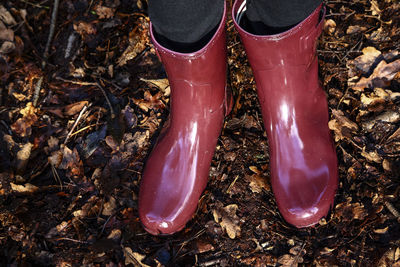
(51, 33)
(36, 93)
(76, 123)
(107, 99)
(46, 51)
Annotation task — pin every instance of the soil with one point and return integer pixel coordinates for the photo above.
(78, 122)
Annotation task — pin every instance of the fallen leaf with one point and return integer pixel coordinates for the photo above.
(390, 116)
(162, 84)
(23, 126)
(109, 207)
(341, 125)
(372, 156)
(134, 258)
(6, 16)
(138, 40)
(355, 29)
(25, 188)
(330, 26)
(228, 220)
(381, 76)
(74, 108)
(288, 260)
(23, 157)
(150, 101)
(104, 12)
(84, 28)
(365, 61)
(257, 183)
(381, 231)
(350, 211)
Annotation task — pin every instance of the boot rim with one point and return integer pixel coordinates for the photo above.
(283, 35)
(191, 55)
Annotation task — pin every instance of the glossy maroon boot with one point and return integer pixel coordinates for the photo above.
(177, 170)
(303, 160)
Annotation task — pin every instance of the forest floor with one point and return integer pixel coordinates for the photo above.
(78, 121)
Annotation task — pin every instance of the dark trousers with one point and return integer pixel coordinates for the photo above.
(186, 25)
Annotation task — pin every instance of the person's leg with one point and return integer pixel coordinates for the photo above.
(185, 25)
(274, 16)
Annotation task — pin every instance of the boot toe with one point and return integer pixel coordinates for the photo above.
(305, 217)
(158, 225)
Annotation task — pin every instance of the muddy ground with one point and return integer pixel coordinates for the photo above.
(78, 117)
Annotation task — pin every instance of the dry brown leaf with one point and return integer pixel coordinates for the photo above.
(7, 35)
(6, 16)
(288, 260)
(228, 220)
(381, 76)
(390, 116)
(355, 29)
(25, 188)
(134, 258)
(109, 207)
(84, 28)
(330, 26)
(23, 126)
(372, 156)
(74, 108)
(257, 183)
(23, 157)
(350, 211)
(391, 258)
(150, 101)
(138, 40)
(375, 10)
(70, 161)
(162, 84)
(365, 61)
(104, 12)
(381, 231)
(341, 125)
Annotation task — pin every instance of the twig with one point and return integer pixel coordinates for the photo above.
(56, 176)
(231, 185)
(76, 123)
(36, 93)
(73, 240)
(107, 99)
(51, 33)
(76, 82)
(38, 85)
